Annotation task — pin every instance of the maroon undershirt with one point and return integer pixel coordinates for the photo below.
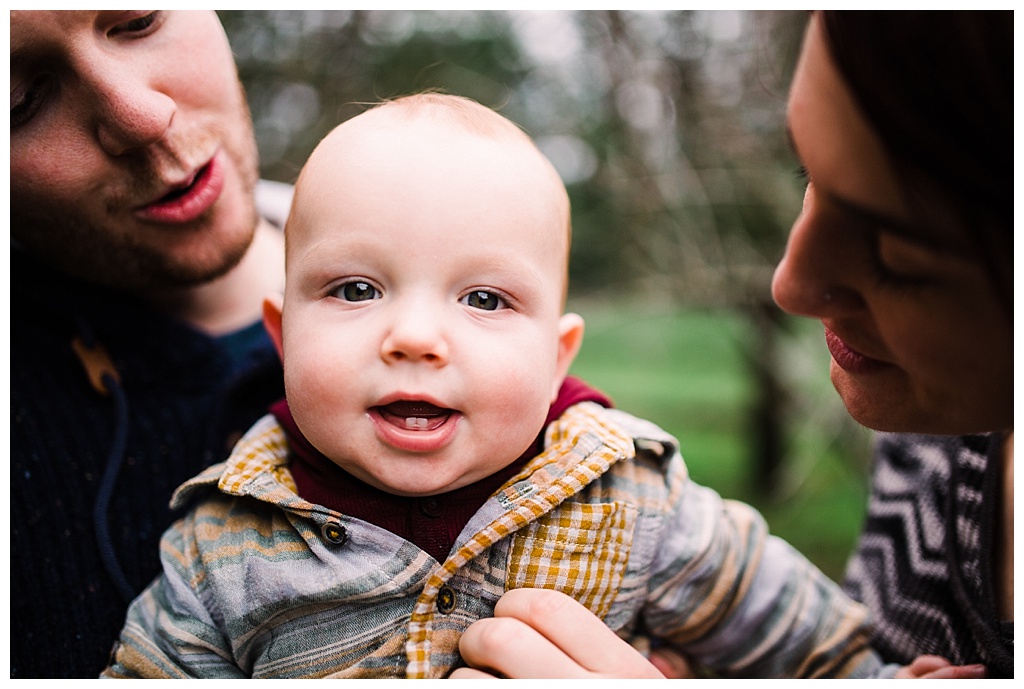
(433, 522)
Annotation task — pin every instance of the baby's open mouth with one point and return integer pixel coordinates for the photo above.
(414, 415)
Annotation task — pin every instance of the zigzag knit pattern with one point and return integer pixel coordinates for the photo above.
(923, 565)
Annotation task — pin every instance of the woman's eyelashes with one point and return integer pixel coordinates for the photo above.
(899, 262)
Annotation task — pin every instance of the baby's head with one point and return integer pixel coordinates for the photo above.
(422, 331)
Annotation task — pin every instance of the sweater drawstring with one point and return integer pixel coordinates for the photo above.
(105, 380)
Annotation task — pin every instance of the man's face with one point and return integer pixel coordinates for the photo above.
(132, 154)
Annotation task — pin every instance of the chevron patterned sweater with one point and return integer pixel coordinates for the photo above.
(924, 562)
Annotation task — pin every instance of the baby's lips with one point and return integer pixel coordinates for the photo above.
(415, 415)
(416, 408)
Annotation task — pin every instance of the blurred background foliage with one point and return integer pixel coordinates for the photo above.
(668, 130)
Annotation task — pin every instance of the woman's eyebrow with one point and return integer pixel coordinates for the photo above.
(792, 141)
(909, 231)
(889, 224)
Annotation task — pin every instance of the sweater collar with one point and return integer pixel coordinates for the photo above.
(320, 481)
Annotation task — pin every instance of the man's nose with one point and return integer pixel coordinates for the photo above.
(129, 111)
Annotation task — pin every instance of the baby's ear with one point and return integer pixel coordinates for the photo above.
(570, 338)
(272, 306)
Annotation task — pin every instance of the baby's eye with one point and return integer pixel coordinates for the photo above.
(485, 301)
(357, 290)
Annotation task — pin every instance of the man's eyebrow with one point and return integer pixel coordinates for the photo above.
(21, 46)
(23, 53)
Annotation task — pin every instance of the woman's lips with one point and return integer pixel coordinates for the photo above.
(849, 359)
(415, 425)
(190, 201)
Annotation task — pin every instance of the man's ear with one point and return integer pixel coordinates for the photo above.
(570, 338)
(272, 306)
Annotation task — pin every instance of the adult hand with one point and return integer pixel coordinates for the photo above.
(545, 634)
(936, 667)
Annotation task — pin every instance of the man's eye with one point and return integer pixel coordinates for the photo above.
(485, 301)
(27, 103)
(138, 25)
(357, 290)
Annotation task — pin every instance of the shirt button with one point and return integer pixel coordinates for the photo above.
(446, 599)
(334, 533)
(430, 507)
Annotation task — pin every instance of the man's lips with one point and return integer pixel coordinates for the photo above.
(847, 358)
(188, 200)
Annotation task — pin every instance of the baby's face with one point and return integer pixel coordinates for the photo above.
(423, 335)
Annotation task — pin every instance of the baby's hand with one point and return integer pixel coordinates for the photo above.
(935, 667)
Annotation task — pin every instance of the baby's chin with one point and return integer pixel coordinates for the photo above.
(424, 482)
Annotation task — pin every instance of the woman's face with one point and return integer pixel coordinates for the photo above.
(918, 337)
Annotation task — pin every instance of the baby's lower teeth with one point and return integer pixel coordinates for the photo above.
(415, 422)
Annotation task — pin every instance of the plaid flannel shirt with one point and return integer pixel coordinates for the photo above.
(260, 583)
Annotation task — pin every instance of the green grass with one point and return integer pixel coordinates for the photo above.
(685, 370)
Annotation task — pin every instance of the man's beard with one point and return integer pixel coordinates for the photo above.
(87, 251)
(185, 257)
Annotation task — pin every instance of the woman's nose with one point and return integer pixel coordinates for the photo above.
(814, 276)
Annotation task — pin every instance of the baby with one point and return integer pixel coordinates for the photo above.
(432, 452)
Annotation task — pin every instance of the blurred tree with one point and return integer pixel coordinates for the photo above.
(693, 190)
(307, 71)
(667, 127)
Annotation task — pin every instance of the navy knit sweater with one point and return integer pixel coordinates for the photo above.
(924, 563)
(183, 398)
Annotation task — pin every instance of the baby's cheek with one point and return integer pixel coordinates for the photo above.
(318, 381)
(522, 402)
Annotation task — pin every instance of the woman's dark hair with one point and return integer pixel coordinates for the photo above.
(937, 88)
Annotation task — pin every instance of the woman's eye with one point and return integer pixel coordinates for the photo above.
(903, 260)
(357, 290)
(485, 301)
